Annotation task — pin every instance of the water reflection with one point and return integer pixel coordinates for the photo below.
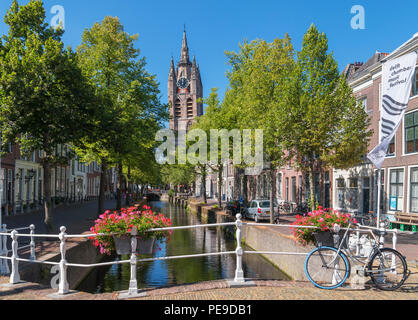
(182, 271)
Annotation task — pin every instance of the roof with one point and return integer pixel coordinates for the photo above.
(354, 72)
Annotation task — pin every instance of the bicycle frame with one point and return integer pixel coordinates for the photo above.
(348, 253)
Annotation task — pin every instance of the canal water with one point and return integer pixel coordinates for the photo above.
(183, 271)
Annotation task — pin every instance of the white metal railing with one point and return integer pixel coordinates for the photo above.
(63, 287)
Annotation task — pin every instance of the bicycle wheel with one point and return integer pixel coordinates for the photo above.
(327, 268)
(388, 269)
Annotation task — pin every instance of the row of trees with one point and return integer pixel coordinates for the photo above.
(301, 101)
(98, 99)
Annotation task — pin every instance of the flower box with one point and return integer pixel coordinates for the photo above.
(123, 245)
(327, 239)
(123, 223)
(316, 226)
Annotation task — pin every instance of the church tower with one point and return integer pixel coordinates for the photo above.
(184, 89)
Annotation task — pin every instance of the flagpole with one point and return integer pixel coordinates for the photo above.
(379, 190)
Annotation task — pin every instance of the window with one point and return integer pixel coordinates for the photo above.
(340, 192)
(189, 108)
(382, 193)
(279, 185)
(415, 84)
(363, 103)
(414, 190)
(177, 109)
(352, 194)
(353, 182)
(391, 148)
(396, 190)
(287, 189)
(411, 132)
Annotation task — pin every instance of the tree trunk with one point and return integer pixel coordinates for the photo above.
(203, 183)
(220, 170)
(321, 187)
(119, 188)
(103, 177)
(312, 187)
(47, 196)
(272, 188)
(244, 188)
(128, 187)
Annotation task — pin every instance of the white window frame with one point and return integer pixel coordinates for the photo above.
(388, 187)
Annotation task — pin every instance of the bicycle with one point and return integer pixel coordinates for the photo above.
(328, 267)
(371, 220)
(285, 207)
(302, 208)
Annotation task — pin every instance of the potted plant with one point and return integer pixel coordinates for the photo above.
(324, 221)
(114, 230)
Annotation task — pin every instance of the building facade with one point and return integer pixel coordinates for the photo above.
(356, 189)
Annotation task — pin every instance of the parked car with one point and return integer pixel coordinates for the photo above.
(260, 210)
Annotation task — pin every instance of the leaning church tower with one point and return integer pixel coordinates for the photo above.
(184, 89)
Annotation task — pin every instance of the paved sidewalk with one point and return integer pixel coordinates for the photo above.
(77, 218)
(407, 243)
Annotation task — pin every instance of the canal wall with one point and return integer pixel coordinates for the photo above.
(261, 238)
(268, 239)
(80, 250)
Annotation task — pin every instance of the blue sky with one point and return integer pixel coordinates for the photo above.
(215, 26)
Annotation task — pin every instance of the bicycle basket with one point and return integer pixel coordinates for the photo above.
(326, 239)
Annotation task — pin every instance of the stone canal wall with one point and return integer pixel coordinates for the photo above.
(261, 238)
(268, 239)
(79, 250)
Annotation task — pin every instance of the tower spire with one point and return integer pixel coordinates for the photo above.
(184, 49)
(172, 73)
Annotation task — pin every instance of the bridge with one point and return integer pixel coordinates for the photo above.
(152, 196)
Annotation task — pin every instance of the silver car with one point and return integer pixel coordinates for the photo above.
(260, 210)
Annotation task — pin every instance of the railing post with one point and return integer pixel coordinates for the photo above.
(133, 284)
(32, 242)
(63, 287)
(394, 238)
(382, 230)
(14, 275)
(4, 266)
(358, 243)
(239, 273)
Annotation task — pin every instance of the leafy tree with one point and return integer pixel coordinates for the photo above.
(327, 127)
(131, 112)
(255, 100)
(213, 119)
(45, 99)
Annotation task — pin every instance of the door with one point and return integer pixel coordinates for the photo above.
(366, 195)
(293, 198)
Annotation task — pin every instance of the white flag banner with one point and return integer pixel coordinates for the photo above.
(397, 78)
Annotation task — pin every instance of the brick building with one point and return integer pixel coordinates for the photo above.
(356, 189)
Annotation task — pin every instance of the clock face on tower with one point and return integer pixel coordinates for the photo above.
(182, 83)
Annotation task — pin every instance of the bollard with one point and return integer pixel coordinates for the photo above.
(239, 273)
(133, 285)
(32, 242)
(14, 275)
(63, 287)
